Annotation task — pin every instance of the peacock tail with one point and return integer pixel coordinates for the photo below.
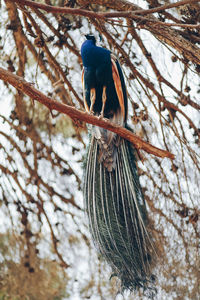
(118, 217)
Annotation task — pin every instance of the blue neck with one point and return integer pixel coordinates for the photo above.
(94, 56)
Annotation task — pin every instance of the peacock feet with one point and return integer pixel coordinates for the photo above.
(101, 116)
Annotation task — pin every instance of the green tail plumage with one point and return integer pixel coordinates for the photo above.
(118, 217)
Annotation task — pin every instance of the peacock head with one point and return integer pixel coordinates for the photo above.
(91, 37)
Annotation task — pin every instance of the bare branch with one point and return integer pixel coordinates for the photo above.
(27, 88)
(91, 14)
(86, 13)
(166, 6)
(152, 24)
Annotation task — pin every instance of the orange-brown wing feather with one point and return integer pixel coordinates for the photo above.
(84, 99)
(118, 86)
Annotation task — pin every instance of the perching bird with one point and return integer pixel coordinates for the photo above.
(113, 198)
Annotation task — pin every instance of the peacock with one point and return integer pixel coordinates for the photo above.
(113, 197)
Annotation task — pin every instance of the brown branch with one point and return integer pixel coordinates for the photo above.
(27, 88)
(155, 21)
(124, 14)
(91, 14)
(14, 19)
(63, 10)
(165, 6)
(152, 24)
(170, 24)
(86, 13)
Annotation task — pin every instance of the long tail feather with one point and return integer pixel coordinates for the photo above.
(118, 218)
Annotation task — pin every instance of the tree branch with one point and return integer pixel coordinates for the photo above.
(27, 88)
(165, 6)
(150, 23)
(115, 14)
(87, 13)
